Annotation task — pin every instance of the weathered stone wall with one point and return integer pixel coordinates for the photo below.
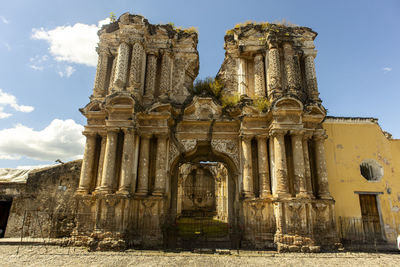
(44, 206)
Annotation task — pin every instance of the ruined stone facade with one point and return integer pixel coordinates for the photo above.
(149, 137)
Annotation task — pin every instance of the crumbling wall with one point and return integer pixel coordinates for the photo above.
(44, 206)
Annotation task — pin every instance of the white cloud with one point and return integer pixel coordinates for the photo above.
(74, 44)
(10, 157)
(67, 72)
(10, 100)
(37, 62)
(61, 139)
(3, 114)
(31, 167)
(386, 69)
(4, 20)
(7, 46)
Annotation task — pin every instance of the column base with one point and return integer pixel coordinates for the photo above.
(326, 197)
(303, 195)
(248, 195)
(141, 194)
(82, 191)
(158, 193)
(282, 195)
(104, 190)
(124, 192)
(266, 194)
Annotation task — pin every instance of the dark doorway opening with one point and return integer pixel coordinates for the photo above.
(370, 217)
(5, 207)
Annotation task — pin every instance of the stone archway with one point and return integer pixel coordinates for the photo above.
(208, 213)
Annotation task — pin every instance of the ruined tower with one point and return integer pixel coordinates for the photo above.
(150, 139)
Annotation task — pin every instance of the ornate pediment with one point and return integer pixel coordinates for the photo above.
(288, 103)
(202, 108)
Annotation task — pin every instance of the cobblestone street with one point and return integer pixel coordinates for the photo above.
(27, 255)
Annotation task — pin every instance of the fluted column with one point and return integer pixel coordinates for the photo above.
(109, 161)
(274, 73)
(307, 168)
(151, 73)
(322, 175)
(242, 76)
(121, 68)
(127, 162)
(259, 76)
(311, 76)
(161, 163)
(281, 174)
(290, 68)
(144, 160)
(87, 163)
(100, 85)
(166, 70)
(101, 159)
(137, 68)
(298, 162)
(263, 167)
(248, 190)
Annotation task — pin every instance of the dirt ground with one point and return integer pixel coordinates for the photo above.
(40, 255)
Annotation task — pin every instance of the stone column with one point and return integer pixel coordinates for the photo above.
(248, 190)
(274, 73)
(242, 78)
(87, 164)
(298, 162)
(161, 163)
(144, 160)
(101, 159)
(311, 76)
(322, 175)
(290, 68)
(99, 89)
(121, 68)
(307, 170)
(151, 73)
(109, 161)
(166, 70)
(127, 162)
(137, 69)
(281, 174)
(263, 167)
(259, 76)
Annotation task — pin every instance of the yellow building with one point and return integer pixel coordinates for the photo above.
(363, 165)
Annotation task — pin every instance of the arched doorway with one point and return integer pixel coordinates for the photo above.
(204, 199)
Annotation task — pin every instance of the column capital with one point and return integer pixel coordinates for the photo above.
(145, 135)
(287, 45)
(277, 132)
(112, 129)
(162, 135)
(89, 133)
(297, 132)
(320, 135)
(272, 45)
(262, 137)
(309, 53)
(129, 130)
(246, 137)
(258, 57)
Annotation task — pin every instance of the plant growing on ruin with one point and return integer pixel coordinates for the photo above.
(112, 17)
(230, 100)
(208, 86)
(261, 103)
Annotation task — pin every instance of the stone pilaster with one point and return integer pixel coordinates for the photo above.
(121, 68)
(298, 162)
(291, 71)
(137, 69)
(259, 76)
(101, 159)
(127, 162)
(281, 173)
(263, 167)
(161, 163)
(311, 76)
(248, 190)
(86, 177)
(100, 85)
(307, 168)
(144, 160)
(242, 76)
(166, 72)
(151, 73)
(322, 174)
(109, 161)
(274, 73)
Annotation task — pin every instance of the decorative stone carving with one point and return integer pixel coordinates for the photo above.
(121, 68)
(274, 73)
(165, 78)
(228, 147)
(189, 144)
(137, 68)
(151, 73)
(259, 76)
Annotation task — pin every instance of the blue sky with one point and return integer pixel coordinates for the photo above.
(47, 64)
